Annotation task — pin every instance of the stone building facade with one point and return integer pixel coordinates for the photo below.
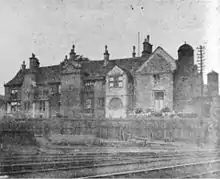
(108, 87)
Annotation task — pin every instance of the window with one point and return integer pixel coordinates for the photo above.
(15, 106)
(156, 78)
(14, 93)
(115, 104)
(101, 102)
(42, 106)
(89, 85)
(59, 89)
(88, 104)
(27, 105)
(159, 95)
(45, 92)
(116, 81)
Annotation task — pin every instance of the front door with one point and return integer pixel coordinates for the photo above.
(158, 100)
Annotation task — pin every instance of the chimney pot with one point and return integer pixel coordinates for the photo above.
(72, 52)
(148, 38)
(106, 56)
(23, 66)
(133, 53)
(147, 47)
(34, 63)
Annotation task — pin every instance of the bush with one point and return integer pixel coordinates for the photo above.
(187, 115)
(165, 110)
(148, 110)
(16, 132)
(157, 114)
(138, 111)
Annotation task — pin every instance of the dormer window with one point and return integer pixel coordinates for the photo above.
(116, 81)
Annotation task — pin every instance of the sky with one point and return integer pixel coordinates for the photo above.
(48, 28)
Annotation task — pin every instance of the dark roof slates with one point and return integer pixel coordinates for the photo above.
(94, 69)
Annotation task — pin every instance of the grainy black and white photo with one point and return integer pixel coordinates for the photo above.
(109, 89)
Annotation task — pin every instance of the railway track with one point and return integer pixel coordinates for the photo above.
(89, 165)
(183, 170)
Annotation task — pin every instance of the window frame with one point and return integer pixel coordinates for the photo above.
(159, 97)
(14, 93)
(101, 102)
(42, 106)
(27, 105)
(15, 106)
(86, 103)
(156, 78)
(116, 81)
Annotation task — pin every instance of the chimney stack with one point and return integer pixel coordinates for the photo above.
(23, 66)
(72, 52)
(133, 53)
(34, 63)
(147, 46)
(106, 56)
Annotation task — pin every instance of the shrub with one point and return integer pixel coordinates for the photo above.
(17, 132)
(148, 110)
(187, 115)
(165, 110)
(157, 114)
(138, 111)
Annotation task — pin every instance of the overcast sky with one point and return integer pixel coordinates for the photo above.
(48, 28)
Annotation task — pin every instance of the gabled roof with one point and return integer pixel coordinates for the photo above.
(161, 52)
(93, 70)
(97, 68)
(212, 73)
(48, 74)
(18, 78)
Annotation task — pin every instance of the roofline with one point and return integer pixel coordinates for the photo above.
(117, 59)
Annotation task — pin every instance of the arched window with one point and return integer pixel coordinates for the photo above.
(115, 103)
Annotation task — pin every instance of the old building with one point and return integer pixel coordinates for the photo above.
(107, 87)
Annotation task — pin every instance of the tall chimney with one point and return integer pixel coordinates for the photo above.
(106, 56)
(133, 53)
(23, 66)
(147, 46)
(72, 52)
(34, 63)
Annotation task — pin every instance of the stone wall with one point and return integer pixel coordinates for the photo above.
(70, 94)
(145, 87)
(188, 130)
(99, 92)
(120, 93)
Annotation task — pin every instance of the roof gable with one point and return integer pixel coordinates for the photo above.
(159, 60)
(49, 74)
(17, 79)
(116, 71)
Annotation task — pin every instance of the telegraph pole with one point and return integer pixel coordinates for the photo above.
(201, 64)
(138, 44)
